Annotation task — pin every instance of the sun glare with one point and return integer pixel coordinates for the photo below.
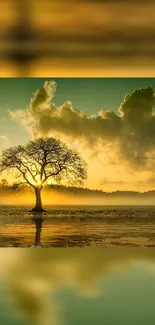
(39, 183)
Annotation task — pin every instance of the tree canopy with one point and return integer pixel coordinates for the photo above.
(43, 160)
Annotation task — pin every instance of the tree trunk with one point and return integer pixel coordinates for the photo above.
(38, 222)
(38, 205)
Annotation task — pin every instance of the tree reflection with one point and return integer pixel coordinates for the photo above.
(38, 221)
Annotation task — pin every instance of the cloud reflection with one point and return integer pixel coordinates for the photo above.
(33, 277)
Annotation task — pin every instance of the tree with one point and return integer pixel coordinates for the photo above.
(40, 161)
(4, 182)
(38, 220)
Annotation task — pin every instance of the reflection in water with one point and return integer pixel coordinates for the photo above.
(21, 34)
(78, 226)
(38, 220)
(74, 286)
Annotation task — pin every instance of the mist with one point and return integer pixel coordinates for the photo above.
(68, 196)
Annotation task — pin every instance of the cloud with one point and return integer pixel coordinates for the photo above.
(106, 181)
(3, 137)
(33, 289)
(148, 180)
(39, 105)
(4, 142)
(22, 117)
(130, 133)
(41, 274)
(42, 97)
(138, 125)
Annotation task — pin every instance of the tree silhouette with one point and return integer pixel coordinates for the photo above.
(4, 182)
(38, 220)
(40, 161)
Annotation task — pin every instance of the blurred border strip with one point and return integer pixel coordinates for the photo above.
(83, 38)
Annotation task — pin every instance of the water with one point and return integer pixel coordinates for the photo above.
(113, 286)
(69, 226)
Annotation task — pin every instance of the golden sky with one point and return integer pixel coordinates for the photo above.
(110, 121)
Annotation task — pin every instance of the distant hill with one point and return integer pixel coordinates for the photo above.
(88, 192)
(80, 191)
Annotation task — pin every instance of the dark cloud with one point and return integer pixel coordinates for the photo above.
(138, 125)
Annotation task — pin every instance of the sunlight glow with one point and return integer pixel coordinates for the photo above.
(39, 182)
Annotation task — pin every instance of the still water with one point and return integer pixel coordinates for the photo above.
(94, 286)
(81, 226)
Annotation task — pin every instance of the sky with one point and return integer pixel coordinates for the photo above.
(114, 134)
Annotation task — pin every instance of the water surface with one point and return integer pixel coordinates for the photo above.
(91, 286)
(67, 226)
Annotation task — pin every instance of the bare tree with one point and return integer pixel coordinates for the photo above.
(40, 161)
